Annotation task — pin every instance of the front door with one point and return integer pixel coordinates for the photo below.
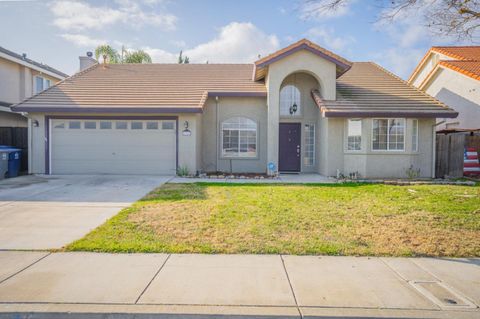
(289, 147)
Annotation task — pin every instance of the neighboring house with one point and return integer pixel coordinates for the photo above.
(20, 78)
(452, 75)
(300, 109)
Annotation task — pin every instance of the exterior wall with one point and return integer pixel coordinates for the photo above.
(378, 164)
(228, 107)
(10, 119)
(187, 145)
(461, 93)
(427, 67)
(302, 61)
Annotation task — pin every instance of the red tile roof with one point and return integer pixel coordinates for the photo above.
(464, 53)
(468, 68)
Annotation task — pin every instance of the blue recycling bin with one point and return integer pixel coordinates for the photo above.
(14, 156)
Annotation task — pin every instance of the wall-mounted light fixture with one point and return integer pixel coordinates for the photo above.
(293, 109)
(186, 131)
(35, 123)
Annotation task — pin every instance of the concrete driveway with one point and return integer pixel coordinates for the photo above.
(48, 212)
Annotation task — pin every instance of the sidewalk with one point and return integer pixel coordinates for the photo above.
(97, 285)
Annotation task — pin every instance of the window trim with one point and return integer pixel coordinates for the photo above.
(222, 156)
(415, 126)
(361, 135)
(44, 81)
(388, 135)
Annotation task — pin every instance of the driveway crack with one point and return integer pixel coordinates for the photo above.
(153, 278)
(291, 287)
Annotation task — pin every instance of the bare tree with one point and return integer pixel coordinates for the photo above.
(459, 18)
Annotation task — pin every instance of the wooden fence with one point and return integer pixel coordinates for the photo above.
(16, 137)
(450, 151)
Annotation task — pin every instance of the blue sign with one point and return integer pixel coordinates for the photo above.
(271, 166)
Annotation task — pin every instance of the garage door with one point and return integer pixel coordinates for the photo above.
(112, 147)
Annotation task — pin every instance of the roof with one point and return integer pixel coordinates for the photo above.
(145, 88)
(463, 59)
(304, 44)
(15, 57)
(369, 90)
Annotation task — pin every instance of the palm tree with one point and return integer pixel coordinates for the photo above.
(138, 56)
(109, 54)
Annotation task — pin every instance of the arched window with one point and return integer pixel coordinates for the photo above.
(239, 137)
(290, 101)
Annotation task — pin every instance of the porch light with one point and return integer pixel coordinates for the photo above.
(293, 109)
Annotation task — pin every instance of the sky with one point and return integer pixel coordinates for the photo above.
(218, 31)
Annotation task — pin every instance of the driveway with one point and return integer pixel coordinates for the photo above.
(48, 212)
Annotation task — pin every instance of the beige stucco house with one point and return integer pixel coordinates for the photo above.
(300, 109)
(452, 75)
(21, 78)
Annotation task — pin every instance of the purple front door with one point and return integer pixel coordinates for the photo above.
(289, 147)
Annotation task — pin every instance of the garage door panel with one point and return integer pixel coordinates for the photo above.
(112, 151)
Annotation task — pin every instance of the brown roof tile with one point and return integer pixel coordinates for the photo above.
(471, 53)
(469, 68)
(154, 86)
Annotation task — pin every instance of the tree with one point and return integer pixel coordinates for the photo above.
(138, 56)
(109, 54)
(182, 59)
(459, 18)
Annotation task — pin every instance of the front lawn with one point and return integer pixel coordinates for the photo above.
(335, 219)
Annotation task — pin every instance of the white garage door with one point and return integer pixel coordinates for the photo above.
(112, 147)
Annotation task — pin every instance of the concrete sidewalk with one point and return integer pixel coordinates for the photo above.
(97, 285)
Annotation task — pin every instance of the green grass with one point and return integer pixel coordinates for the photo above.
(334, 219)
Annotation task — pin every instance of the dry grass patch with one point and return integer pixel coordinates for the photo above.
(347, 219)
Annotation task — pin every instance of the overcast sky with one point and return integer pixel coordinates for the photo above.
(57, 32)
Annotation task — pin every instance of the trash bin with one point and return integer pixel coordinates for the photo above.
(3, 163)
(13, 155)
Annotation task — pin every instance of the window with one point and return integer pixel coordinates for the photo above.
(309, 150)
(239, 137)
(89, 125)
(290, 96)
(167, 126)
(121, 125)
(59, 125)
(388, 134)
(137, 125)
(414, 135)
(354, 135)
(105, 125)
(152, 125)
(41, 84)
(73, 125)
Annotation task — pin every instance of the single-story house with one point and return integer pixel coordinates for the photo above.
(300, 109)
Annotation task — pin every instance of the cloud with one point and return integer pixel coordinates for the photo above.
(326, 37)
(399, 60)
(236, 42)
(315, 10)
(81, 40)
(79, 16)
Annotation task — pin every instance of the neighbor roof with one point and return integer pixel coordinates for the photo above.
(15, 57)
(145, 88)
(304, 44)
(369, 90)
(463, 59)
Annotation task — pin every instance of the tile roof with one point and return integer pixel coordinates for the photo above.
(369, 90)
(30, 61)
(469, 68)
(471, 53)
(304, 44)
(146, 87)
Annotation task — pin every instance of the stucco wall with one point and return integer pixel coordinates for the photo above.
(427, 67)
(461, 93)
(302, 61)
(228, 107)
(187, 146)
(10, 119)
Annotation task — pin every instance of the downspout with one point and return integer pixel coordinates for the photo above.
(434, 144)
(217, 134)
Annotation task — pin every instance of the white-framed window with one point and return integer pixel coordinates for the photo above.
(74, 125)
(239, 137)
(152, 125)
(90, 125)
(105, 125)
(168, 125)
(388, 135)
(309, 149)
(414, 135)
(41, 84)
(354, 134)
(121, 125)
(137, 125)
(290, 100)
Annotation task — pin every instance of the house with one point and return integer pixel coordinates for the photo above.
(452, 75)
(300, 109)
(21, 78)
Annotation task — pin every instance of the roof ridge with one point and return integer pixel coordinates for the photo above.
(410, 85)
(57, 84)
